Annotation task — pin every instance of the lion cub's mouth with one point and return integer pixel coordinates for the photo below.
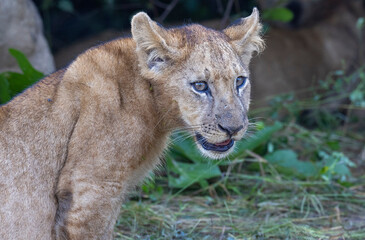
(218, 147)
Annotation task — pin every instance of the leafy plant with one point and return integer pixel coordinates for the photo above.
(335, 165)
(280, 14)
(12, 83)
(187, 166)
(286, 162)
(357, 96)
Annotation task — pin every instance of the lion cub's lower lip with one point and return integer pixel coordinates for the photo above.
(218, 147)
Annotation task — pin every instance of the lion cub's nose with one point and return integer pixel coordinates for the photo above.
(231, 130)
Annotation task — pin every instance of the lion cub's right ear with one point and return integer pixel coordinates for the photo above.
(155, 46)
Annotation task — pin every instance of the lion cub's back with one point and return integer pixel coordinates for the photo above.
(31, 145)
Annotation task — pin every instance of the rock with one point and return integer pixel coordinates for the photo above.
(21, 28)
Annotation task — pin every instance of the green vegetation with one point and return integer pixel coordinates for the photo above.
(12, 83)
(267, 207)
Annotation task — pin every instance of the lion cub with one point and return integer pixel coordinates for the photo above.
(73, 144)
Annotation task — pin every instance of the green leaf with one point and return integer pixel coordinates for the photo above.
(4, 90)
(334, 145)
(17, 82)
(278, 14)
(191, 5)
(360, 23)
(31, 74)
(187, 149)
(357, 97)
(335, 165)
(46, 5)
(260, 125)
(66, 6)
(259, 138)
(286, 161)
(190, 173)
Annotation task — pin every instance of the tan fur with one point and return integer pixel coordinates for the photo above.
(72, 145)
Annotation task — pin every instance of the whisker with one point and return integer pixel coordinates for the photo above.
(162, 117)
(182, 136)
(191, 127)
(256, 118)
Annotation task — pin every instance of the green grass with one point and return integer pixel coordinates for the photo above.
(267, 208)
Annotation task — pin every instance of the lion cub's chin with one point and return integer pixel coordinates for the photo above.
(213, 154)
(215, 151)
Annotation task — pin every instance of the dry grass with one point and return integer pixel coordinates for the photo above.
(268, 208)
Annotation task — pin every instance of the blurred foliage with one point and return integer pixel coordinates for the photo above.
(12, 83)
(68, 20)
(187, 166)
(278, 14)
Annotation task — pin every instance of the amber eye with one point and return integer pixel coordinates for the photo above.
(240, 81)
(200, 86)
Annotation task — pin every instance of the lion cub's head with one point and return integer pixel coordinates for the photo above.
(204, 74)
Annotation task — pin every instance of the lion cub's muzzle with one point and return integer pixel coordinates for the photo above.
(217, 140)
(230, 130)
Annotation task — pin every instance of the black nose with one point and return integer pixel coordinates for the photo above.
(230, 129)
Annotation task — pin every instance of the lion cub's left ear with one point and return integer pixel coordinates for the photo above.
(245, 36)
(155, 46)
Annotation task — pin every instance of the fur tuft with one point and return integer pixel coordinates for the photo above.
(245, 36)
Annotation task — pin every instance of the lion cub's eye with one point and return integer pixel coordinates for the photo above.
(200, 86)
(240, 81)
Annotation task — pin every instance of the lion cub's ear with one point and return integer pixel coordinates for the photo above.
(155, 46)
(245, 36)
